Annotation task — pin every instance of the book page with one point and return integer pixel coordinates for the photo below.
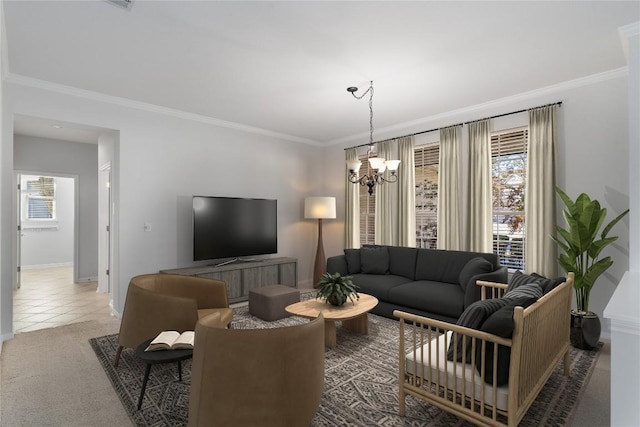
(164, 340)
(185, 340)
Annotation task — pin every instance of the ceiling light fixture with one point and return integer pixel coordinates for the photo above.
(378, 164)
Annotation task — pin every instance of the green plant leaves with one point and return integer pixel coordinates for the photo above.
(581, 250)
(338, 287)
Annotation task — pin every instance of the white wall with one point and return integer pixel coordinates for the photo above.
(592, 157)
(163, 160)
(6, 186)
(42, 245)
(34, 154)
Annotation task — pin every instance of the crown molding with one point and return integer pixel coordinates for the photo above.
(626, 32)
(21, 80)
(455, 115)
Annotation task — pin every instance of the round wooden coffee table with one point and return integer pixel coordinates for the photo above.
(353, 315)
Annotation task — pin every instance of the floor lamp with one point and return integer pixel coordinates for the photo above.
(319, 208)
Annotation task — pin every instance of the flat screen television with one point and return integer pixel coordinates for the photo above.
(228, 227)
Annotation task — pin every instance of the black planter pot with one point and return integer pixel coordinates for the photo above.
(585, 330)
(337, 301)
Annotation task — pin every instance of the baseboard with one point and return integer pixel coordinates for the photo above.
(6, 337)
(87, 279)
(43, 266)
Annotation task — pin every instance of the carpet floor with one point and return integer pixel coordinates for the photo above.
(361, 385)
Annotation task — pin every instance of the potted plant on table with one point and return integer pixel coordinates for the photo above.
(336, 289)
(581, 249)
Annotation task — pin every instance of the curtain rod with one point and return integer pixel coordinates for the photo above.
(559, 103)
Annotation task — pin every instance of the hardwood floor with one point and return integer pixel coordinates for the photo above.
(48, 298)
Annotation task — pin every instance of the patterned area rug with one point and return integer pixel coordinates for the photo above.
(360, 383)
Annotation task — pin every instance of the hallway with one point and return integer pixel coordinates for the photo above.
(48, 298)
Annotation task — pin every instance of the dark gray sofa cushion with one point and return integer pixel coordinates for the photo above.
(528, 290)
(445, 266)
(499, 323)
(473, 267)
(434, 297)
(374, 259)
(402, 261)
(518, 278)
(353, 260)
(473, 317)
(377, 285)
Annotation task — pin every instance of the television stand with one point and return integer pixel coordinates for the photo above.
(234, 260)
(243, 275)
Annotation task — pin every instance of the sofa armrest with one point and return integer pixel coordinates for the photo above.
(474, 293)
(337, 264)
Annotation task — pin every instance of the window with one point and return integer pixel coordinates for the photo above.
(39, 202)
(367, 207)
(426, 160)
(509, 164)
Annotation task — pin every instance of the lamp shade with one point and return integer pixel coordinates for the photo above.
(320, 208)
(392, 165)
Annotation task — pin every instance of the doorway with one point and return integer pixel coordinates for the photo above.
(48, 292)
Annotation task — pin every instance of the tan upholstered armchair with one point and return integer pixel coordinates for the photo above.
(266, 377)
(160, 302)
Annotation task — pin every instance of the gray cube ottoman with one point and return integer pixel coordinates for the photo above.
(269, 302)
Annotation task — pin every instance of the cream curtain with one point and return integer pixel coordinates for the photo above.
(540, 207)
(406, 193)
(480, 194)
(449, 189)
(352, 206)
(384, 202)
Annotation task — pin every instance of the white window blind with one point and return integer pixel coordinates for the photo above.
(426, 175)
(509, 164)
(40, 199)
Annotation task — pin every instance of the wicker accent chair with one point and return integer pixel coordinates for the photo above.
(539, 342)
(263, 377)
(160, 302)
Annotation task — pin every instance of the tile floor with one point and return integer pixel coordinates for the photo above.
(48, 298)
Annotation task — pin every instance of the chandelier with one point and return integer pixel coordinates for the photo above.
(378, 164)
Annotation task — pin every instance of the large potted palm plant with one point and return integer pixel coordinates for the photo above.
(582, 244)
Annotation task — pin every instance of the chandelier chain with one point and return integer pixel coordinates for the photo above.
(370, 92)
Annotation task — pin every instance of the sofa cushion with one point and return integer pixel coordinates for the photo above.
(353, 260)
(474, 266)
(402, 261)
(528, 290)
(518, 278)
(377, 285)
(549, 284)
(499, 323)
(433, 297)
(445, 266)
(374, 259)
(473, 317)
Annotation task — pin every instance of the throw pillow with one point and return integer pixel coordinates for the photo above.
(477, 265)
(518, 278)
(549, 284)
(499, 323)
(353, 260)
(529, 290)
(374, 259)
(473, 317)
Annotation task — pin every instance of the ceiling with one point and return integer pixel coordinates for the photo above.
(283, 67)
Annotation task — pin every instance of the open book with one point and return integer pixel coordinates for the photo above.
(172, 340)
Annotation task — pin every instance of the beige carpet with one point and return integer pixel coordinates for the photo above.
(51, 377)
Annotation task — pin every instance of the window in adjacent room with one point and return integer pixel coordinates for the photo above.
(509, 164)
(367, 207)
(38, 199)
(426, 175)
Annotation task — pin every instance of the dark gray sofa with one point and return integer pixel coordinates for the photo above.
(435, 283)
